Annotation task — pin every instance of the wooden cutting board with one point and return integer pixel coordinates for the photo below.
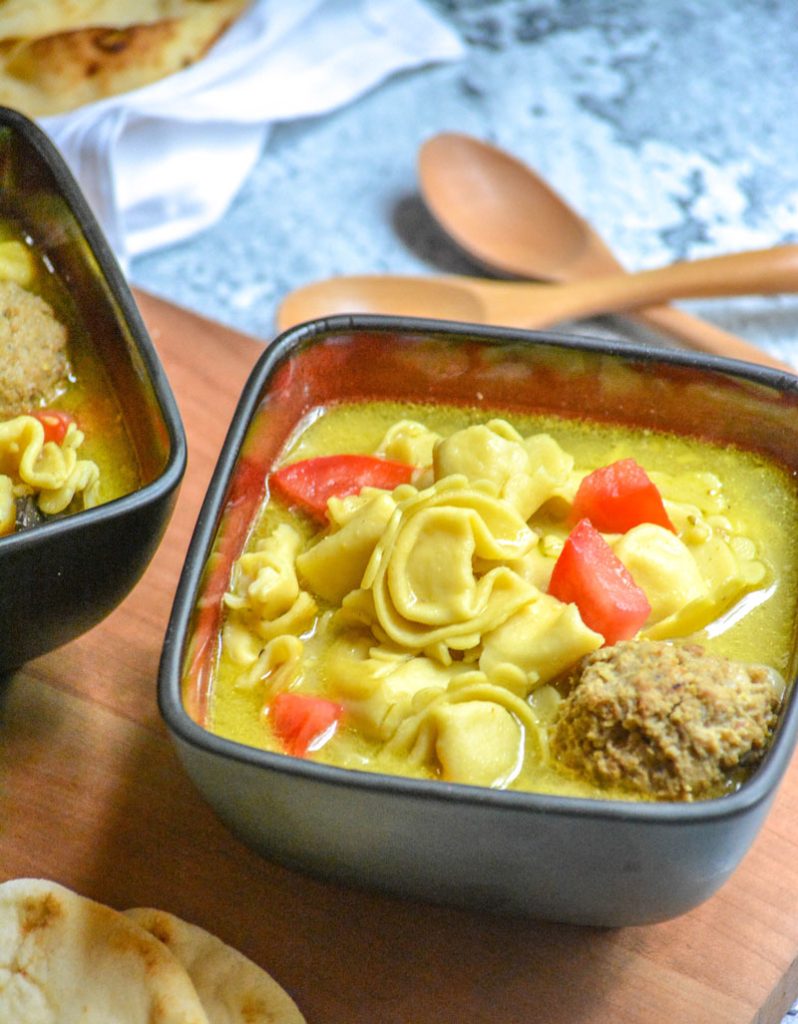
(92, 795)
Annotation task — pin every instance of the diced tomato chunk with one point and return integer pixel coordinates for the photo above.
(55, 422)
(312, 482)
(619, 496)
(298, 719)
(590, 575)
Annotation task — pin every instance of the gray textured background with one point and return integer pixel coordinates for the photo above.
(670, 124)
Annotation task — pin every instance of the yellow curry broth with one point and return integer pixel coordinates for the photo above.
(759, 501)
(87, 393)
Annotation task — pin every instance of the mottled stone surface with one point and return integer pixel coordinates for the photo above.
(672, 126)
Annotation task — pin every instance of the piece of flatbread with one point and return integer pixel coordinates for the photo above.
(32, 19)
(233, 989)
(54, 73)
(65, 959)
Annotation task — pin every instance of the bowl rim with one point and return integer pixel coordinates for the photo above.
(175, 465)
(758, 789)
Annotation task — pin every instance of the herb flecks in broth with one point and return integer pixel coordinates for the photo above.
(423, 630)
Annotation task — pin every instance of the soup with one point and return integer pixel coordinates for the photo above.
(443, 621)
(63, 443)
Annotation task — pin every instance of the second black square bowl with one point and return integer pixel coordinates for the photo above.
(63, 576)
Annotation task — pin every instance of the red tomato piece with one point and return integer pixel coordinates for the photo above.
(619, 496)
(55, 422)
(298, 719)
(312, 482)
(590, 575)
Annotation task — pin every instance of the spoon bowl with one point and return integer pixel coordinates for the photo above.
(505, 216)
(511, 221)
(439, 297)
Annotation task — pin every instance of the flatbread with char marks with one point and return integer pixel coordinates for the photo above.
(33, 19)
(50, 74)
(233, 989)
(66, 958)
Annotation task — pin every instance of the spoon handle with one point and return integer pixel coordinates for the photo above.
(704, 336)
(763, 272)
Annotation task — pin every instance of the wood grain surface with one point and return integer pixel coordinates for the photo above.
(92, 795)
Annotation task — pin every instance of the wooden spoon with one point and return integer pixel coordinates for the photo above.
(525, 304)
(500, 212)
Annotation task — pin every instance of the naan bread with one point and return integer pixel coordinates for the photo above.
(48, 74)
(233, 989)
(32, 19)
(65, 959)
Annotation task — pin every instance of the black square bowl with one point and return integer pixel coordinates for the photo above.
(587, 861)
(64, 576)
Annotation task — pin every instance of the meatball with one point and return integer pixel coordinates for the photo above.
(33, 350)
(668, 721)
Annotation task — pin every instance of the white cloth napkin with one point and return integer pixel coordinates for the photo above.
(164, 162)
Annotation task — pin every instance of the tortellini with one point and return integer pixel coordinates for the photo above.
(537, 643)
(335, 566)
(478, 742)
(491, 715)
(265, 600)
(425, 610)
(410, 442)
(663, 566)
(380, 683)
(50, 471)
(689, 583)
(278, 664)
(525, 472)
(16, 263)
(8, 505)
(436, 576)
